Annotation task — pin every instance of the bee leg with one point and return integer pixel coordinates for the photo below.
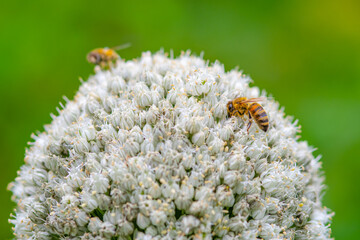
(249, 123)
(108, 65)
(102, 65)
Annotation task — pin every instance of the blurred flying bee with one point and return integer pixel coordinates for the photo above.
(105, 56)
(243, 106)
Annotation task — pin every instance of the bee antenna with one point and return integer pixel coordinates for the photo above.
(122, 46)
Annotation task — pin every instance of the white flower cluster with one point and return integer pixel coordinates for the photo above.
(146, 151)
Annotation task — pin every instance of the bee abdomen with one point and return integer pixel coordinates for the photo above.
(260, 116)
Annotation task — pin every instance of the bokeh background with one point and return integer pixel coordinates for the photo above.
(306, 53)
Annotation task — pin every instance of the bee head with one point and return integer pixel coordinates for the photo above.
(230, 107)
(94, 58)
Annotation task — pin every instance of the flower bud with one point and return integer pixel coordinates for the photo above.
(142, 221)
(198, 138)
(188, 223)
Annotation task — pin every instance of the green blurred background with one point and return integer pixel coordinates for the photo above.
(306, 53)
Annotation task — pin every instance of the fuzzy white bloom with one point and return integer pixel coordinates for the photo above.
(146, 151)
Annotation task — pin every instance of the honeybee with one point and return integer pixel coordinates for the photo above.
(105, 56)
(243, 106)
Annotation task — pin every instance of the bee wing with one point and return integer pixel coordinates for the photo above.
(259, 99)
(122, 46)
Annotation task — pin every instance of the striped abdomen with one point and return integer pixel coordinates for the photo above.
(259, 115)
